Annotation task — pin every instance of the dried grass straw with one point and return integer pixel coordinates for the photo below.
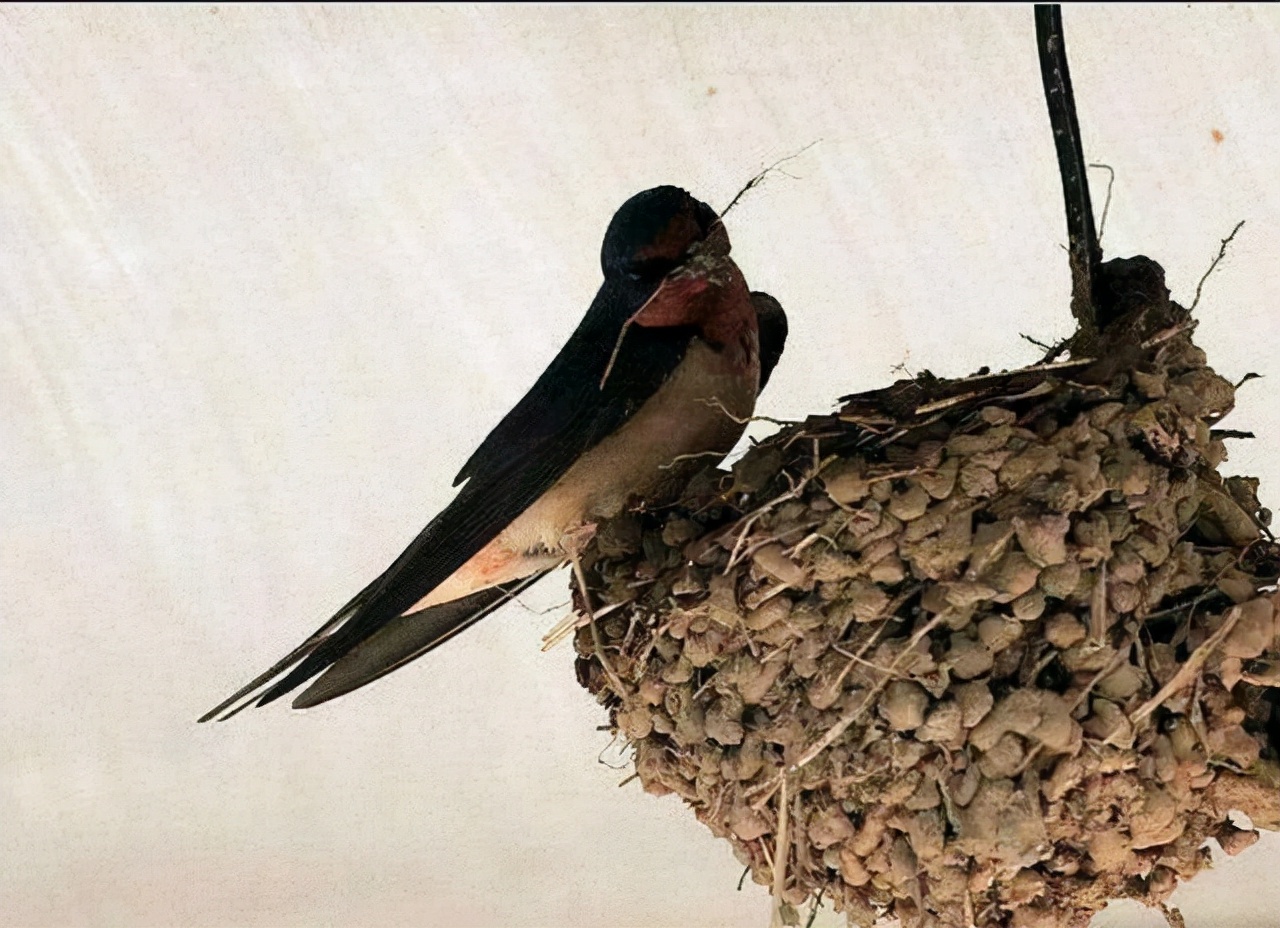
(986, 652)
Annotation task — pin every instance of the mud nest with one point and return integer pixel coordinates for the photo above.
(984, 652)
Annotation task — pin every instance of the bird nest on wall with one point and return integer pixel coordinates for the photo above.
(985, 652)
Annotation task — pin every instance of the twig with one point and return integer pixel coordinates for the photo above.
(1116, 660)
(755, 181)
(1098, 607)
(1106, 203)
(747, 523)
(558, 632)
(600, 757)
(899, 474)
(614, 680)
(1085, 253)
(782, 850)
(841, 726)
(622, 333)
(812, 538)
(817, 904)
(689, 457)
(752, 517)
(714, 403)
(1222, 253)
(1171, 332)
(950, 401)
(974, 379)
(1190, 669)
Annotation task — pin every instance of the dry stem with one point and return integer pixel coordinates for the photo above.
(782, 851)
(614, 680)
(1189, 672)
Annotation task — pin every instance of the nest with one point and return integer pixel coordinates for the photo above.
(986, 652)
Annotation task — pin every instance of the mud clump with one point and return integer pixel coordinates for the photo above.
(984, 652)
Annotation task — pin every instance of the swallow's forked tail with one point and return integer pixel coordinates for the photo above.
(406, 638)
(396, 643)
(563, 416)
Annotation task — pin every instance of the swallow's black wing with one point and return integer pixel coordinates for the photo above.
(772, 323)
(565, 414)
(409, 636)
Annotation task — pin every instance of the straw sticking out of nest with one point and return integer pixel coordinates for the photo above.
(985, 652)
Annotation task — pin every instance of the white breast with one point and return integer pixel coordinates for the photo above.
(701, 410)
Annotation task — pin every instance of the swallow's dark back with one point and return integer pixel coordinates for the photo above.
(565, 414)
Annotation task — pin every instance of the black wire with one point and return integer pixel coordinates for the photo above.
(1082, 235)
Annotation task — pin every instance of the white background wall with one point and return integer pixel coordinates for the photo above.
(267, 275)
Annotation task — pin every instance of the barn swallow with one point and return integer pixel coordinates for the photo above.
(662, 373)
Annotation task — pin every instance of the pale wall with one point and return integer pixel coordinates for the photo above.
(268, 275)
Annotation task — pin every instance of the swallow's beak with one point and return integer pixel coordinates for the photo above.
(687, 294)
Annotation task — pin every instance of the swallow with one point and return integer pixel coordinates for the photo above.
(661, 374)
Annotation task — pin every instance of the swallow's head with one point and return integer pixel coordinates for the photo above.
(656, 232)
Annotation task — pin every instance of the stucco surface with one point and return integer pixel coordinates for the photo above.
(267, 275)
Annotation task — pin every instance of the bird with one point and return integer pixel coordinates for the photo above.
(661, 374)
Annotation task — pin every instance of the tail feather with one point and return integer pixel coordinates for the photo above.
(405, 639)
(476, 515)
(228, 708)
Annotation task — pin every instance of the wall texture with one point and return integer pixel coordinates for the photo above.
(267, 275)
